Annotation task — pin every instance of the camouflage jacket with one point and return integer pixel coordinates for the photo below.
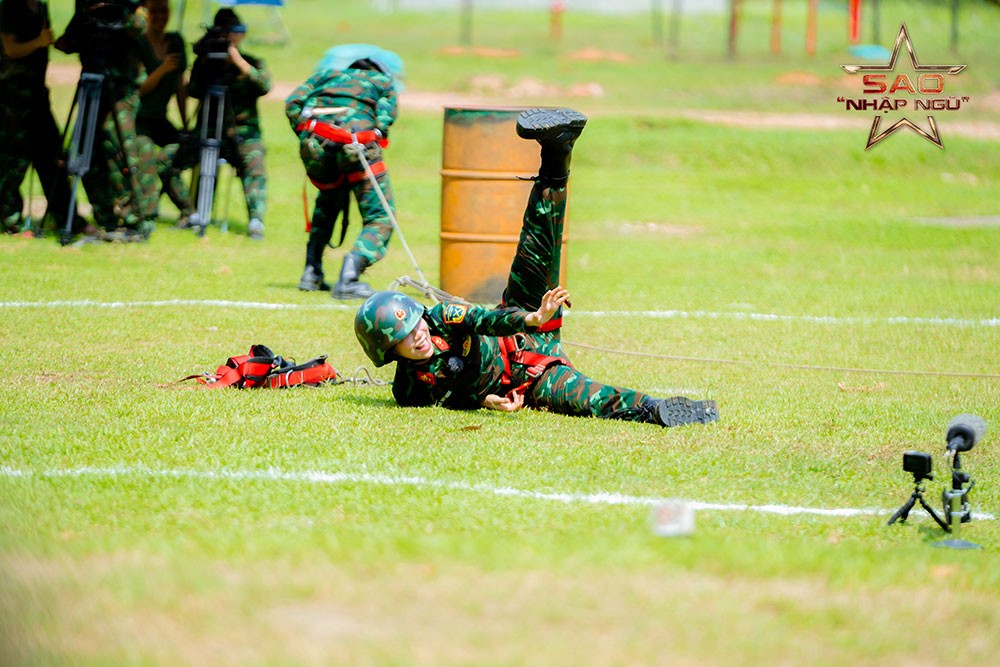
(467, 363)
(367, 98)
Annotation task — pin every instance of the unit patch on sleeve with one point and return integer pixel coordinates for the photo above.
(454, 313)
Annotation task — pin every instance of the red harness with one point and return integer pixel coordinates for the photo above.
(261, 368)
(537, 363)
(339, 135)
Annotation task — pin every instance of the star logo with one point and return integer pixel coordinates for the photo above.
(930, 80)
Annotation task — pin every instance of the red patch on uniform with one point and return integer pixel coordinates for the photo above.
(440, 343)
(400, 314)
(425, 377)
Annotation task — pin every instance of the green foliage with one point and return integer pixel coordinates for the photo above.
(840, 305)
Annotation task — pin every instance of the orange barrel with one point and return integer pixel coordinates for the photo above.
(483, 199)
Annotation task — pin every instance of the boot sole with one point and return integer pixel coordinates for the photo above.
(538, 123)
(678, 411)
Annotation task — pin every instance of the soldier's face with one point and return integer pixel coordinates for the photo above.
(417, 344)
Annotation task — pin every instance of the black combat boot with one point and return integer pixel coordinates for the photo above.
(556, 130)
(312, 276)
(312, 280)
(678, 411)
(348, 286)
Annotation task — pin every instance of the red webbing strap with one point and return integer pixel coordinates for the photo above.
(353, 177)
(255, 371)
(328, 186)
(536, 361)
(551, 325)
(312, 375)
(339, 135)
(305, 208)
(377, 168)
(226, 376)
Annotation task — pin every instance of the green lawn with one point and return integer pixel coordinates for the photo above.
(841, 305)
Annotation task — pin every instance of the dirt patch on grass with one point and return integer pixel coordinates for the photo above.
(496, 91)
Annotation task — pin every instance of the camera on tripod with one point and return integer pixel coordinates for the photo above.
(213, 44)
(962, 434)
(919, 464)
(109, 14)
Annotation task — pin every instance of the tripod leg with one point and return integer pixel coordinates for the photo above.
(903, 512)
(934, 515)
(81, 149)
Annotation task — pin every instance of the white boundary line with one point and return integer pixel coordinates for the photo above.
(653, 314)
(321, 477)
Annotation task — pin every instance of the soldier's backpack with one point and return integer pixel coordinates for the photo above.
(262, 368)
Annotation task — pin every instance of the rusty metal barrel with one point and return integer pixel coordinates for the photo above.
(483, 196)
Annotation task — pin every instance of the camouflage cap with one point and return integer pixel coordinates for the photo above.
(384, 319)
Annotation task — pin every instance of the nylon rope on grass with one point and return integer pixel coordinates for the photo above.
(655, 314)
(323, 477)
(775, 364)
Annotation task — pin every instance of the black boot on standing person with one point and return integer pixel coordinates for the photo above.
(348, 286)
(556, 130)
(312, 276)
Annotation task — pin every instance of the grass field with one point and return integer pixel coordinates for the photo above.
(841, 305)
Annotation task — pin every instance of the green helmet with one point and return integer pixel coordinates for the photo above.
(384, 319)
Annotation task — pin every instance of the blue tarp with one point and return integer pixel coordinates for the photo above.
(342, 55)
(233, 3)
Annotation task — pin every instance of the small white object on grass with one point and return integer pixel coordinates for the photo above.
(673, 518)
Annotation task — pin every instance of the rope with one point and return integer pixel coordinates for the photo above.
(773, 364)
(359, 151)
(362, 376)
(435, 294)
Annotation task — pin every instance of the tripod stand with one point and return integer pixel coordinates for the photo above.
(918, 495)
(212, 120)
(87, 104)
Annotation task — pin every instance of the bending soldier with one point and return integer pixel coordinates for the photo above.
(466, 357)
(335, 114)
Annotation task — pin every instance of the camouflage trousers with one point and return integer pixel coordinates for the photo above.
(247, 155)
(535, 270)
(29, 136)
(241, 148)
(122, 184)
(341, 174)
(167, 141)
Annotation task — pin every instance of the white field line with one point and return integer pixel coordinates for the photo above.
(652, 314)
(321, 477)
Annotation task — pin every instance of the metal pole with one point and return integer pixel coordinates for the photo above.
(674, 40)
(734, 22)
(954, 26)
(465, 20)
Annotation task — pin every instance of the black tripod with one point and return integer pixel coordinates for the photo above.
(212, 121)
(917, 496)
(87, 104)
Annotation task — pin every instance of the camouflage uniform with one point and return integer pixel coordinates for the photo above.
(121, 184)
(242, 142)
(476, 352)
(468, 362)
(28, 131)
(153, 125)
(366, 100)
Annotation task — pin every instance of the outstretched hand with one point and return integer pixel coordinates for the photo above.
(504, 403)
(551, 301)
